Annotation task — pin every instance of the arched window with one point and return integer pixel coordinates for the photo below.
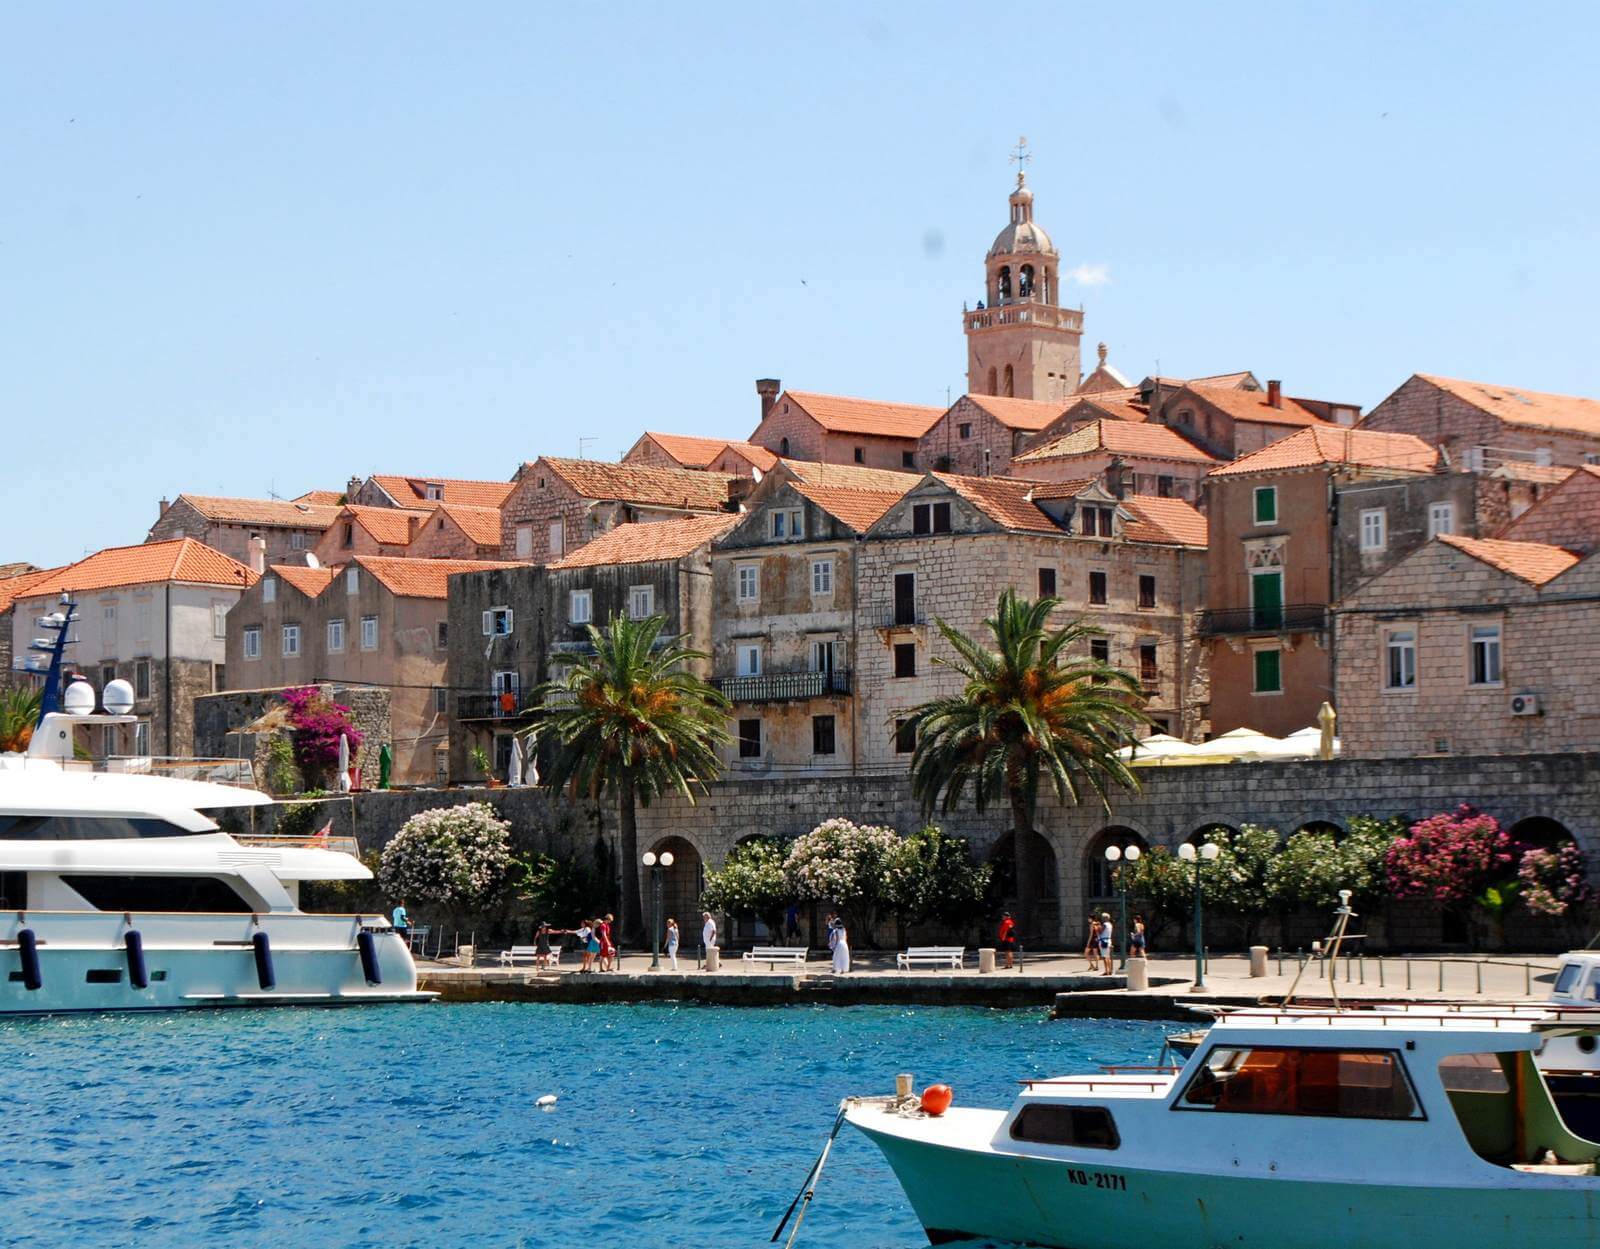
(1004, 281)
(994, 382)
(1025, 282)
(1010, 389)
(783, 446)
(1541, 832)
(1045, 284)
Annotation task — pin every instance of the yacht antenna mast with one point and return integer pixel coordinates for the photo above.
(59, 622)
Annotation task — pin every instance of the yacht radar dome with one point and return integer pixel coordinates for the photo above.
(117, 697)
(78, 700)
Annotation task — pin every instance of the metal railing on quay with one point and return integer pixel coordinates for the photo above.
(1406, 971)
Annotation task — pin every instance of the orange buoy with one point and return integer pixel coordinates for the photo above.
(936, 1099)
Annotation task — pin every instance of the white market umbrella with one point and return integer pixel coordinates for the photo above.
(1248, 744)
(514, 770)
(1157, 750)
(1311, 741)
(344, 763)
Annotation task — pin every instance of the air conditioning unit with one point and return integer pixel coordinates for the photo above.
(1524, 704)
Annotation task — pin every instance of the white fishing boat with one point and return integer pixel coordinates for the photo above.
(1310, 1130)
(119, 892)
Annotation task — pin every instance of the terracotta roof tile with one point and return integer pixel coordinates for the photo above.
(1526, 470)
(1120, 437)
(277, 513)
(406, 491)
(688, 450)
(645, 542)
(1215, 381)
(759, 456)
(1533, 562)
(423, 578)
(1252, 405)
(16, 569)
(321, 498)
(1004, 500)
(852, 476)
(480, 524)
(309, 581)
(14, 587)
(1525, 407)
(182, 559)
(842, 414)
(860, 509)
(684, 488)
(1336, 444)
(389, 525)
(1164, 520)
(1062, 489)
(1026, 414)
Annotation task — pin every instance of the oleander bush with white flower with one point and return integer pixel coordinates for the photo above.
(451, 856)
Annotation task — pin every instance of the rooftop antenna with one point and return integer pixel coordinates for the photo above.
(583, 444)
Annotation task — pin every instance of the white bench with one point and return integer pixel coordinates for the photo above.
(771, 955)
(529, 953)
(935, 955)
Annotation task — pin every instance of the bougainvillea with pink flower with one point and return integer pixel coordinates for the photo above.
(318, 723)
(1455, 857)
(1554, 881)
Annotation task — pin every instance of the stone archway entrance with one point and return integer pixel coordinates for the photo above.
(681, 886)
(1040, 866)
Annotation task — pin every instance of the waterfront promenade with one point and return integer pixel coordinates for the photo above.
(1058, 981)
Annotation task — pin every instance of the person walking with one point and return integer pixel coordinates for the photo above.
(608, 948)
(1006, 937)
(541, 945)
(708, 933)
(589, 943)
(1136, 938)
(672, 943)
(1091, 947)
(839, 943)
(1104, 936)
(791, 924)
(401, 919)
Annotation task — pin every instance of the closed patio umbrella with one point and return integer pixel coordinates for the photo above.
(514, 769)
(344, 763)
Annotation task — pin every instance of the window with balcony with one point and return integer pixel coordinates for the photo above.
(580, 606)
(1147, 591)
(369, 633)
(930, 518)
(822, 735)
(822, 576)
(1268, 672)
(1047, 583)
(1266, 599)
(1097, 588)
(824, 654)
(749, 739)
(335, 636)
(905, 598)
(1441, 519)
(905, 659)
(1400, 659)
(1486, 655)
(1374, 530)
(749, 659)
(1266, 505)
(749, 583)
(641, 601)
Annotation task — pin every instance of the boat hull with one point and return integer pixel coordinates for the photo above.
(966, 1194)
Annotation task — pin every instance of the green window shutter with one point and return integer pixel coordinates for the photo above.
(1269, 673)
(1266, 600)
(1266, 505)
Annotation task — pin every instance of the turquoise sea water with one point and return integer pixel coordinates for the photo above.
(415, 1127)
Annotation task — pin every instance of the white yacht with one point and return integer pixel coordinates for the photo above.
(117, 893)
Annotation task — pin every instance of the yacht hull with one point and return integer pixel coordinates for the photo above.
(962, 1193)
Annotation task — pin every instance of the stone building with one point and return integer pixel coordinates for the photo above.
(835, 429)
(421, 493)
(1272, 571)
(362, 529)
(287, 527)
(235, 724)
(499, 644)
(154, 615)
(1136, 458)
(785, 627)
(980, 435)
(1146, 402)
(457, 531)
(558, 505)
(1232, 423)
(1479, 425)
(1021, 343)
(653, 450)
(14, 581)
(375, 620)
(946, 550)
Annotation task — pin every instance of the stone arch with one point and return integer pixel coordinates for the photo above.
(1541, 832)
(1003, 282)
(1046, 879)
(681, 887)
(1098, 882)
(1010, 383)
(1025, 282)
(1317, 825)
(1198, 837)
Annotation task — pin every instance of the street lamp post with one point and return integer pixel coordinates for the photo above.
(1131, 855)
(656, 864)
(1205, 854)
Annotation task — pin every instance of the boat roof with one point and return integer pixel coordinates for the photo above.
(180, 856)
(44, 787)
(1455, 1031)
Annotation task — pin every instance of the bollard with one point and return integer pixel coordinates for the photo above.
(1381, 984)
(1138, 975)
(1361, 964)
(904, 1086)
(1280, 960)
(985, 962)
(1479, 966)
(713, 958)
(1258, 961)
(1408, 974)
(1441, 975)
(1527, 980)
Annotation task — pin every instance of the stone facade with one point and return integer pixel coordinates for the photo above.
(224, 727)
(362, 529)
(789, 430)
(1479, 426)
(1414, 509)
(287, 529)
(979, 439)
(455, 531)
(493, 673)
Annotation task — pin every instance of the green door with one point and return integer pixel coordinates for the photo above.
(1266, 600)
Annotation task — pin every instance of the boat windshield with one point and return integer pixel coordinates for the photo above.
(1567, 977)
(85, 828)
(1280, 1080)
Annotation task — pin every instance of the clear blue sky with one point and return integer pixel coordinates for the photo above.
(265, 247)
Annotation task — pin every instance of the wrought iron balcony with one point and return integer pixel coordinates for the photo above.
(1296, 618)
(507, 706)
(782, 687)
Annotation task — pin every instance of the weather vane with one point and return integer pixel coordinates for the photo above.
(1020, 156)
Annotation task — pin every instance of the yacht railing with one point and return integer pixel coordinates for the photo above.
(343, 843)
(239, 773)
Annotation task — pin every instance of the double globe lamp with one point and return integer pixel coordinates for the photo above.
(1199, 856)
(657, 863)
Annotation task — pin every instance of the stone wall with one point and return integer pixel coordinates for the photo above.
(1436, 416)
(220, 725)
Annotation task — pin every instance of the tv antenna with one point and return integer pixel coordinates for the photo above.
(583, 445)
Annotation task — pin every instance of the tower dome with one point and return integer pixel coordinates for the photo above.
(1022, 235)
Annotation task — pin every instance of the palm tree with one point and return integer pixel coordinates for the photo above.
(19, 712)
(1033, 707)
(631, 720)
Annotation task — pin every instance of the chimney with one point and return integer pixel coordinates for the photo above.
(161, 508)
(351, 489)
(1274, 394)
(258, 553)
(1116, 477)
(768, 388)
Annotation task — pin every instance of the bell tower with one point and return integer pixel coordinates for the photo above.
(1020, 341)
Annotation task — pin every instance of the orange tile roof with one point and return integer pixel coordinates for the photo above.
(309, 581)
(322, 498)
(852, 476)
(1062, 489)
(1216, 381)
(1533, 562)
(1336, 444)
(423, 578)
(1252, 405)
(645, 542)
(1524, 407)
(860, 509)
(17, 586)
(1004, 500)
(1116, 406)
(1027, 414)
(1164, 520)
(182, 559)
(690, 489)
(389, 525)
(279, 513)
(1159, 442)
(16, 569)
(759, 456)
(480, 524)
(842, 414)
(1526, 470)
(404, 490)
(688, 450)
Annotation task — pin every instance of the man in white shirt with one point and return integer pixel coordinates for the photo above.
(708, 934)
